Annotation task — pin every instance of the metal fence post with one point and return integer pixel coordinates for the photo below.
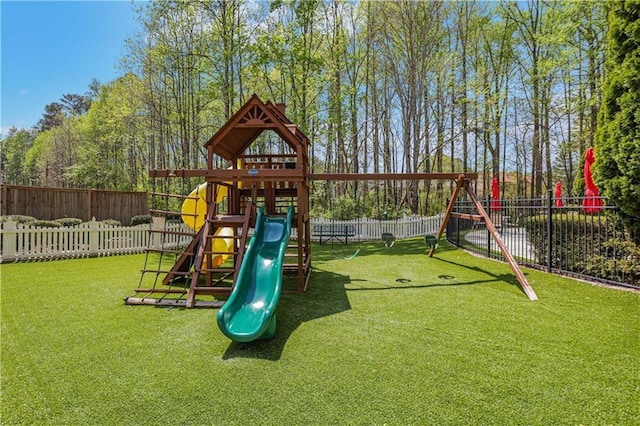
(489, 237)
(549, 229)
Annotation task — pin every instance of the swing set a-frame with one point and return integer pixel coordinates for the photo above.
(192, 264)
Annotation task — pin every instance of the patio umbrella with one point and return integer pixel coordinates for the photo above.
(495, 195)
(559, 202)
(592, 202)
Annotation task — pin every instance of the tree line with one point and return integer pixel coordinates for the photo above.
(511, 90)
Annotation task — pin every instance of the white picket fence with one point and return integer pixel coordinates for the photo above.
(25, 243)
(372, 229)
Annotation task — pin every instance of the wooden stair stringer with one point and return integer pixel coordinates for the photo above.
(206, 230)
(184, 262)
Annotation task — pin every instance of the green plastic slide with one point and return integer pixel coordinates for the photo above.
(250, 312)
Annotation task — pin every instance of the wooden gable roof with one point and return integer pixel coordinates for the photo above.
(253, 118)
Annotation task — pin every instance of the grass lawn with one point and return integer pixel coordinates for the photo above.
(390, 337)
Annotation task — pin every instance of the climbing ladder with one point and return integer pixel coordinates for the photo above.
(192, 272)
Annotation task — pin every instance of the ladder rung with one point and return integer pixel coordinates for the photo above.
(164, 194)
(212, 290)
(170, 212)
(162, 231)
(159, 271)
(155, 250)
(161, 290)
(222, 252)
(221, 270)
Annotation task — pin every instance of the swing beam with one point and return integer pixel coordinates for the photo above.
(391, 176)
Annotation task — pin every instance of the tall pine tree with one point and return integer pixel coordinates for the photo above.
(617, 166)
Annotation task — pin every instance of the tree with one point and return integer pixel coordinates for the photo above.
(289, 60)
(14, 149)
(497, 57)
(412, 47)
(52, 116)
(113, 154)
(75, 104)
(617, 147)
(53, 151)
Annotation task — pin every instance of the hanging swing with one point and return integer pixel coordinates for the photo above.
(431, 241)
(338, 255)
(389, 238)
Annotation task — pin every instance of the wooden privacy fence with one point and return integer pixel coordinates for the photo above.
(25, 243)
(54, 203)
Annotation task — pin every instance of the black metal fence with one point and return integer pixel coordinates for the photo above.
(562, 239)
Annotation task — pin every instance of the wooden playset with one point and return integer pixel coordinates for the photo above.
(221, 213)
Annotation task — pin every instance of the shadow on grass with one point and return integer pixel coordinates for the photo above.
(327, 252)
(406, 284)
(508, 278)
(326, 296)
(416, 246)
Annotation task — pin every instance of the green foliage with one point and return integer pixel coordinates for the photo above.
(69, 221)
(18, 218)
(344, 208)
(37, 157)
(112, 129)
(45, 224)
(626, 261)
(617, 166)
(596, 246)
(375, 85)
(141, 219)
(111, 222)
(14, 150)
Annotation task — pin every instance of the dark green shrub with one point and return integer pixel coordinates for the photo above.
(592, 245)
(45, 224)
(344, 208)
(626, 261)
(140, 219)
(19, 218)
(174, 218)
(69, 221)
(111, 222)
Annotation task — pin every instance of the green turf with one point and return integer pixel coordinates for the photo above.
(391, 337)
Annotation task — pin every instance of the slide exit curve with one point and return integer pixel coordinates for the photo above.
(250, 312)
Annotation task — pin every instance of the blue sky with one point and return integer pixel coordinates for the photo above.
(51, 48)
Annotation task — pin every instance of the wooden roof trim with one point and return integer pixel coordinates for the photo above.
(230, 124)
(275, 120)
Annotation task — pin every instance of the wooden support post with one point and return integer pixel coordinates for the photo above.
(524, 284)
(459, 184)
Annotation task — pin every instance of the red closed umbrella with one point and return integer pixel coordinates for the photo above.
(592, 202)
(559, 202)
(495, 195)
